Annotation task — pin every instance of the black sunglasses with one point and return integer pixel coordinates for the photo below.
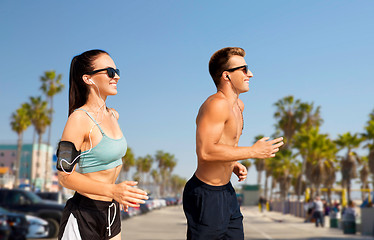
(245, 68)
(110, 71)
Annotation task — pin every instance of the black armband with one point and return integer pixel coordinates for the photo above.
(67, 156)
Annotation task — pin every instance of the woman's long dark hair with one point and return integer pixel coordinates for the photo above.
(78, 89)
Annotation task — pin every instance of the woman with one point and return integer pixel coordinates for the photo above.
(93, 212)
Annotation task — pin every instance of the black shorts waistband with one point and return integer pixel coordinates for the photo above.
(89, 203)
(194, 180)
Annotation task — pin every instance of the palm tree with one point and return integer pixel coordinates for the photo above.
(166, 163)
(287, 116)
(364, 174)
(156, 181)
(283, 165)
(51, 85)
(293, 116)
(143, 165)
(128, 161)
(20, 121)
(39, 115)
(296, 179)
(247, 164)
(268, 173)
(177, 184)
(330, 178)
(309, 117)
(259, 163)
(368, 137)
(318, 153)
(349, 162)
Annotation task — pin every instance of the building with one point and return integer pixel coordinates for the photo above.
(32, 164)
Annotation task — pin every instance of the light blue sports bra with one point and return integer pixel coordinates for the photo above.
(105, 155)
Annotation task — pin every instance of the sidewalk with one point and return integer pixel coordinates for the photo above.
(275, 225)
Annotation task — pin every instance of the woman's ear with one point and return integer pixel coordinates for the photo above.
(87, 79)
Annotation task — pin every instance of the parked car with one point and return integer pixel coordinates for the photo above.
(52, 196)
(26, 202)
(4, 227)
(38, 228)
(17, 223)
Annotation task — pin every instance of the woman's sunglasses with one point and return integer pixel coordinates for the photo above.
(110, 71)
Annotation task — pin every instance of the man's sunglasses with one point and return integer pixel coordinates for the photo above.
(245, 68)
(110, 71)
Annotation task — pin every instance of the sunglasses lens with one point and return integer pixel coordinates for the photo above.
(117, 71)
(111, 72)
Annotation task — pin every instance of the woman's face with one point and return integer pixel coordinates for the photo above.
(103, 83)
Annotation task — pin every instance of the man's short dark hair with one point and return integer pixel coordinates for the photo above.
(219, 61)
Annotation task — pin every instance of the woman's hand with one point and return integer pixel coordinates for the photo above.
(127, 194)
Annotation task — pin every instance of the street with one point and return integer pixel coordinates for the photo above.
(170, 224)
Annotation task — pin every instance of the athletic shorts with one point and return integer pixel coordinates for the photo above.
(212, 212)
(85, 218)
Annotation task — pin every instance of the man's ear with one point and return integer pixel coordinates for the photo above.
(225, 76)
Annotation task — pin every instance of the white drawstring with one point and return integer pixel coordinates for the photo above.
(114, 216)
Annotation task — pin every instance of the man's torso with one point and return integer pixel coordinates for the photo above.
(219, 172)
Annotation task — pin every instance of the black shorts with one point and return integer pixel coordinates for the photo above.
(212, 212)
(85, 218)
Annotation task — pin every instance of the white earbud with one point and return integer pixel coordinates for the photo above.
(91, 81)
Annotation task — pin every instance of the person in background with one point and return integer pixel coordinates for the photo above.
(318, 212)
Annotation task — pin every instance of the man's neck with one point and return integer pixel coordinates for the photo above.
(229, 93)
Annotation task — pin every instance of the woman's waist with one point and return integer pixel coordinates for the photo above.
(97, 197)
(108, 176)
(92, 201)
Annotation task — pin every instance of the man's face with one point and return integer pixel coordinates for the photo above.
(239, 77)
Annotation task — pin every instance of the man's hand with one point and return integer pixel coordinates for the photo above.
(266, 149)
(241, 171)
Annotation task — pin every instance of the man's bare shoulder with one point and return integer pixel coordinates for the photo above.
(214, 106)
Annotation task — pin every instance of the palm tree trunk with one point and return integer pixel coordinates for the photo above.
(259, 177)
(272, 188)
(34, 137)
(301, 178)
(47, 160)
(38, 158)
(18, 160)
(329, 195)
(349, 189)
(318, 192)
(265, 187)
(363, 186)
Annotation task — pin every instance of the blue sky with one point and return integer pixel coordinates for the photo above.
(318, 51)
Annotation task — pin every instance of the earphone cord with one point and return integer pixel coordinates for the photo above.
(239, 109)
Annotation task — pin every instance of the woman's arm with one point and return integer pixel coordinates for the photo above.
(76, 131)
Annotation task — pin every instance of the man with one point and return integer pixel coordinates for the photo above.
(209, 200)
(318, 211)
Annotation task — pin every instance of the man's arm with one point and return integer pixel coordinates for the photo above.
(210, 125)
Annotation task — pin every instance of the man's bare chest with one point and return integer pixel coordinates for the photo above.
(233, 128)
